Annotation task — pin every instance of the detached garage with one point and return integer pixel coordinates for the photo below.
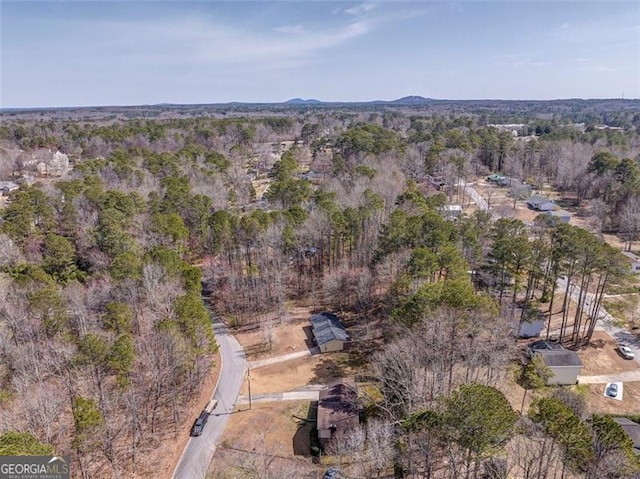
(328, 332)
(564, 364)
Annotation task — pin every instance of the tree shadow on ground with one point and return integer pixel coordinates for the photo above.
(306, 437)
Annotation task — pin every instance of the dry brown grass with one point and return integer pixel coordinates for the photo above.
(272, 430)
(597, 403)
(601, 357)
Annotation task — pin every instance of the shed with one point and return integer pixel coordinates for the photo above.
(634, 261)
(564, 364)
(329, 333)
(338, 410)
(562, 215)
(632, 429)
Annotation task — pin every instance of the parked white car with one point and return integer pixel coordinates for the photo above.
(626, 351)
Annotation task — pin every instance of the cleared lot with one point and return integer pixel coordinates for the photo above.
(602, 357)
(274, 434)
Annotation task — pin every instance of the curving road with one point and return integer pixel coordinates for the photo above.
(197, 455)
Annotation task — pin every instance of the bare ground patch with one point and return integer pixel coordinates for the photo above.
(282, 336)
(598, 404)
(602, 357)
(278, 434)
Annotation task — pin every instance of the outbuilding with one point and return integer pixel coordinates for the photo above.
(564, 364)
(328, 332)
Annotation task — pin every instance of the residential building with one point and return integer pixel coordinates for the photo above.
(338, 410)
(329, 333)
(634, 261)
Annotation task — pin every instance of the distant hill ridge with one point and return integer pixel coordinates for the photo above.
(301, 101)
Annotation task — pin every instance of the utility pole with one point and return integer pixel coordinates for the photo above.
(249, 379)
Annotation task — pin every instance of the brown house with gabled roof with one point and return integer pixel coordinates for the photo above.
(338, 410)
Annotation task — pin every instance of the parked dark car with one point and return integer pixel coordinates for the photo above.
(612, 390)
(198, 426)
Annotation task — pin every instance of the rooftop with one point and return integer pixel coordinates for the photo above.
(558, 213)
(562, 357)
(631, 255)
(631, 428)
(338, 406)
(327, 327)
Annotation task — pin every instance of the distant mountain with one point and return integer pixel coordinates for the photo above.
(411, 100)
(301, 101)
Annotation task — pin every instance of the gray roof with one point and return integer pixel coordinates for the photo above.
(537, 199)
(559, 357)
(327, 327)
(631, 428)
(561, 213)
(8, 184)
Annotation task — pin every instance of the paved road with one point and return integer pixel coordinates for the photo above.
(479, 200)
(199, 450)
(622, 335)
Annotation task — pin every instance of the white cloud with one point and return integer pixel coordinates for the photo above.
(360, 9)
(204, 43)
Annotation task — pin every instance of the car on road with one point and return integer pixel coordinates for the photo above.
(199, 424)
(626, 351)
(612, 390)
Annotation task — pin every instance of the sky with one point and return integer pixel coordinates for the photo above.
(89, 53)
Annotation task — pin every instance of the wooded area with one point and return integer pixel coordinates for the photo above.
(105, 337)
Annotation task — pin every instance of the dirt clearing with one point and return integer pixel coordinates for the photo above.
(275, 434)
(602, 357)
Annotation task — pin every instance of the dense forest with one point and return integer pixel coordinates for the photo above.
(105, 251)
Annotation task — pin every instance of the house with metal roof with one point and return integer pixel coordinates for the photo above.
(540, 203)
(328, 332)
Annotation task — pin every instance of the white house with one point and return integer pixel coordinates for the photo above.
(634, 261)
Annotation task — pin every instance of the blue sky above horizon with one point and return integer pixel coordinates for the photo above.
(79, 53)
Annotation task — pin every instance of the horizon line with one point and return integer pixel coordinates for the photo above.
(298, 101)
